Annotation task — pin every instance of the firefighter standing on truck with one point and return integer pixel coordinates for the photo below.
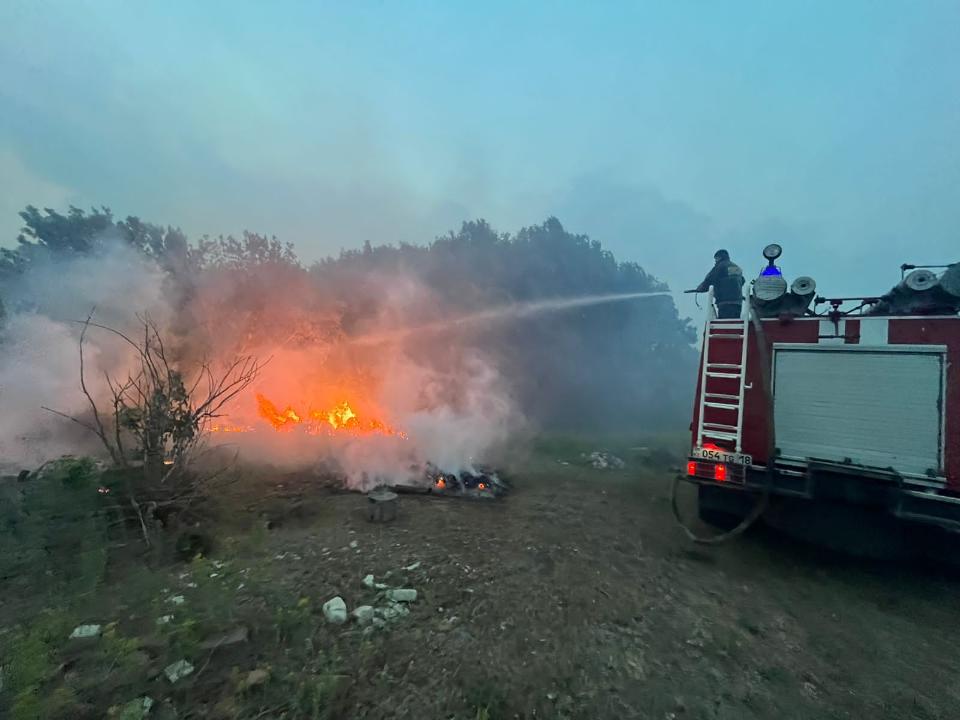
(726, 277)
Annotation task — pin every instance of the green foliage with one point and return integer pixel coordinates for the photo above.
(250, 252)
(53, 529)
(50, 234)
(30, 659)
(294, 625)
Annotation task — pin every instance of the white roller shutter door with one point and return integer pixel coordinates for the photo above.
(876, 407)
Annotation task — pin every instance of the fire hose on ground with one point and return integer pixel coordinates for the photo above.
(764, 498)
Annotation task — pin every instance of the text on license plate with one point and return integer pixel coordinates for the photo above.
(722, 456)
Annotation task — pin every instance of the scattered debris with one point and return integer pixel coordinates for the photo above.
(85, 631)
(414, 566)
(602, 460)
(402, 595)
(364, 614)
(164, 619)
(354, 544)
(393, 611)
(474, 483)
(255, 678)
(335, 610)
(178, 670)
(135, 709)
(369, 582)
(236, 636)
(178, 599)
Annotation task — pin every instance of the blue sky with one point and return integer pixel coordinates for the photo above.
(662, 129)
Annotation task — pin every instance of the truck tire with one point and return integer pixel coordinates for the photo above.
(722, 508)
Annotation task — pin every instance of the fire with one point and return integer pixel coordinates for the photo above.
(341, 418)
(441, 483)
(230, 428)
(280, 419)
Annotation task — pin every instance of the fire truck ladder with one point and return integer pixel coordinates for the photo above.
(729, 338)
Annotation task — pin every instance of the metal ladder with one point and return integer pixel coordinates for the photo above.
(732, 335)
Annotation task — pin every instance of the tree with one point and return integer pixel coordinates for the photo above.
(162, 407)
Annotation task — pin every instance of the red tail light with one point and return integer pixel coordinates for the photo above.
(719, 472)
(691, 468)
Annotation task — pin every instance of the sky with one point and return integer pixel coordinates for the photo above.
(663, 129)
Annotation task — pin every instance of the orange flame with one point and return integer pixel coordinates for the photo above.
(341, 418)
(280, 419)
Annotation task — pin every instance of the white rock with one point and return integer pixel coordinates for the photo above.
(164, 619)
(335, 610)
(414, 566)
(178, 670)
(368, 581)
(178, 599)
(85, 631)
(402, 595)
(364, 614)
(392, 612)
(136, 709)
(354, 544)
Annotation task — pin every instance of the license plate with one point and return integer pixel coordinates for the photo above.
(722, 456)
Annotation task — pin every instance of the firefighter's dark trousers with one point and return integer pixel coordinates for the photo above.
(729, 311)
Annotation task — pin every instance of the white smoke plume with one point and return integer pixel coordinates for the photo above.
(39, 350)
(442, 395)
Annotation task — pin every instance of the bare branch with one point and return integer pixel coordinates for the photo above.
(81, 423)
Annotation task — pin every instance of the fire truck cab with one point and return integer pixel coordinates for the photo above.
(803, 401)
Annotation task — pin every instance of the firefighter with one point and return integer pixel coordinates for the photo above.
(726, 277)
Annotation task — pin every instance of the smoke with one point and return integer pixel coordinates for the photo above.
(39, 345)
(443, 400)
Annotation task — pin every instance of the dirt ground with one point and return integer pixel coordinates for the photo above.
(574, 597)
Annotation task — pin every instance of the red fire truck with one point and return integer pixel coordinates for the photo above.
(834, 404)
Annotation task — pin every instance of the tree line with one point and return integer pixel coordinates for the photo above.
(603, 367)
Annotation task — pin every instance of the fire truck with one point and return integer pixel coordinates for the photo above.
(832, 405)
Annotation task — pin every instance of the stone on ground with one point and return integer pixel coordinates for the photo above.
(402, 595)
(335, 610)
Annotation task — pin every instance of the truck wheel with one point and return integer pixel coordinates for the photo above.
(722, 508)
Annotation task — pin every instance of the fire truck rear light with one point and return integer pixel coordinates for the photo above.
(691, 469)
(720, 472)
